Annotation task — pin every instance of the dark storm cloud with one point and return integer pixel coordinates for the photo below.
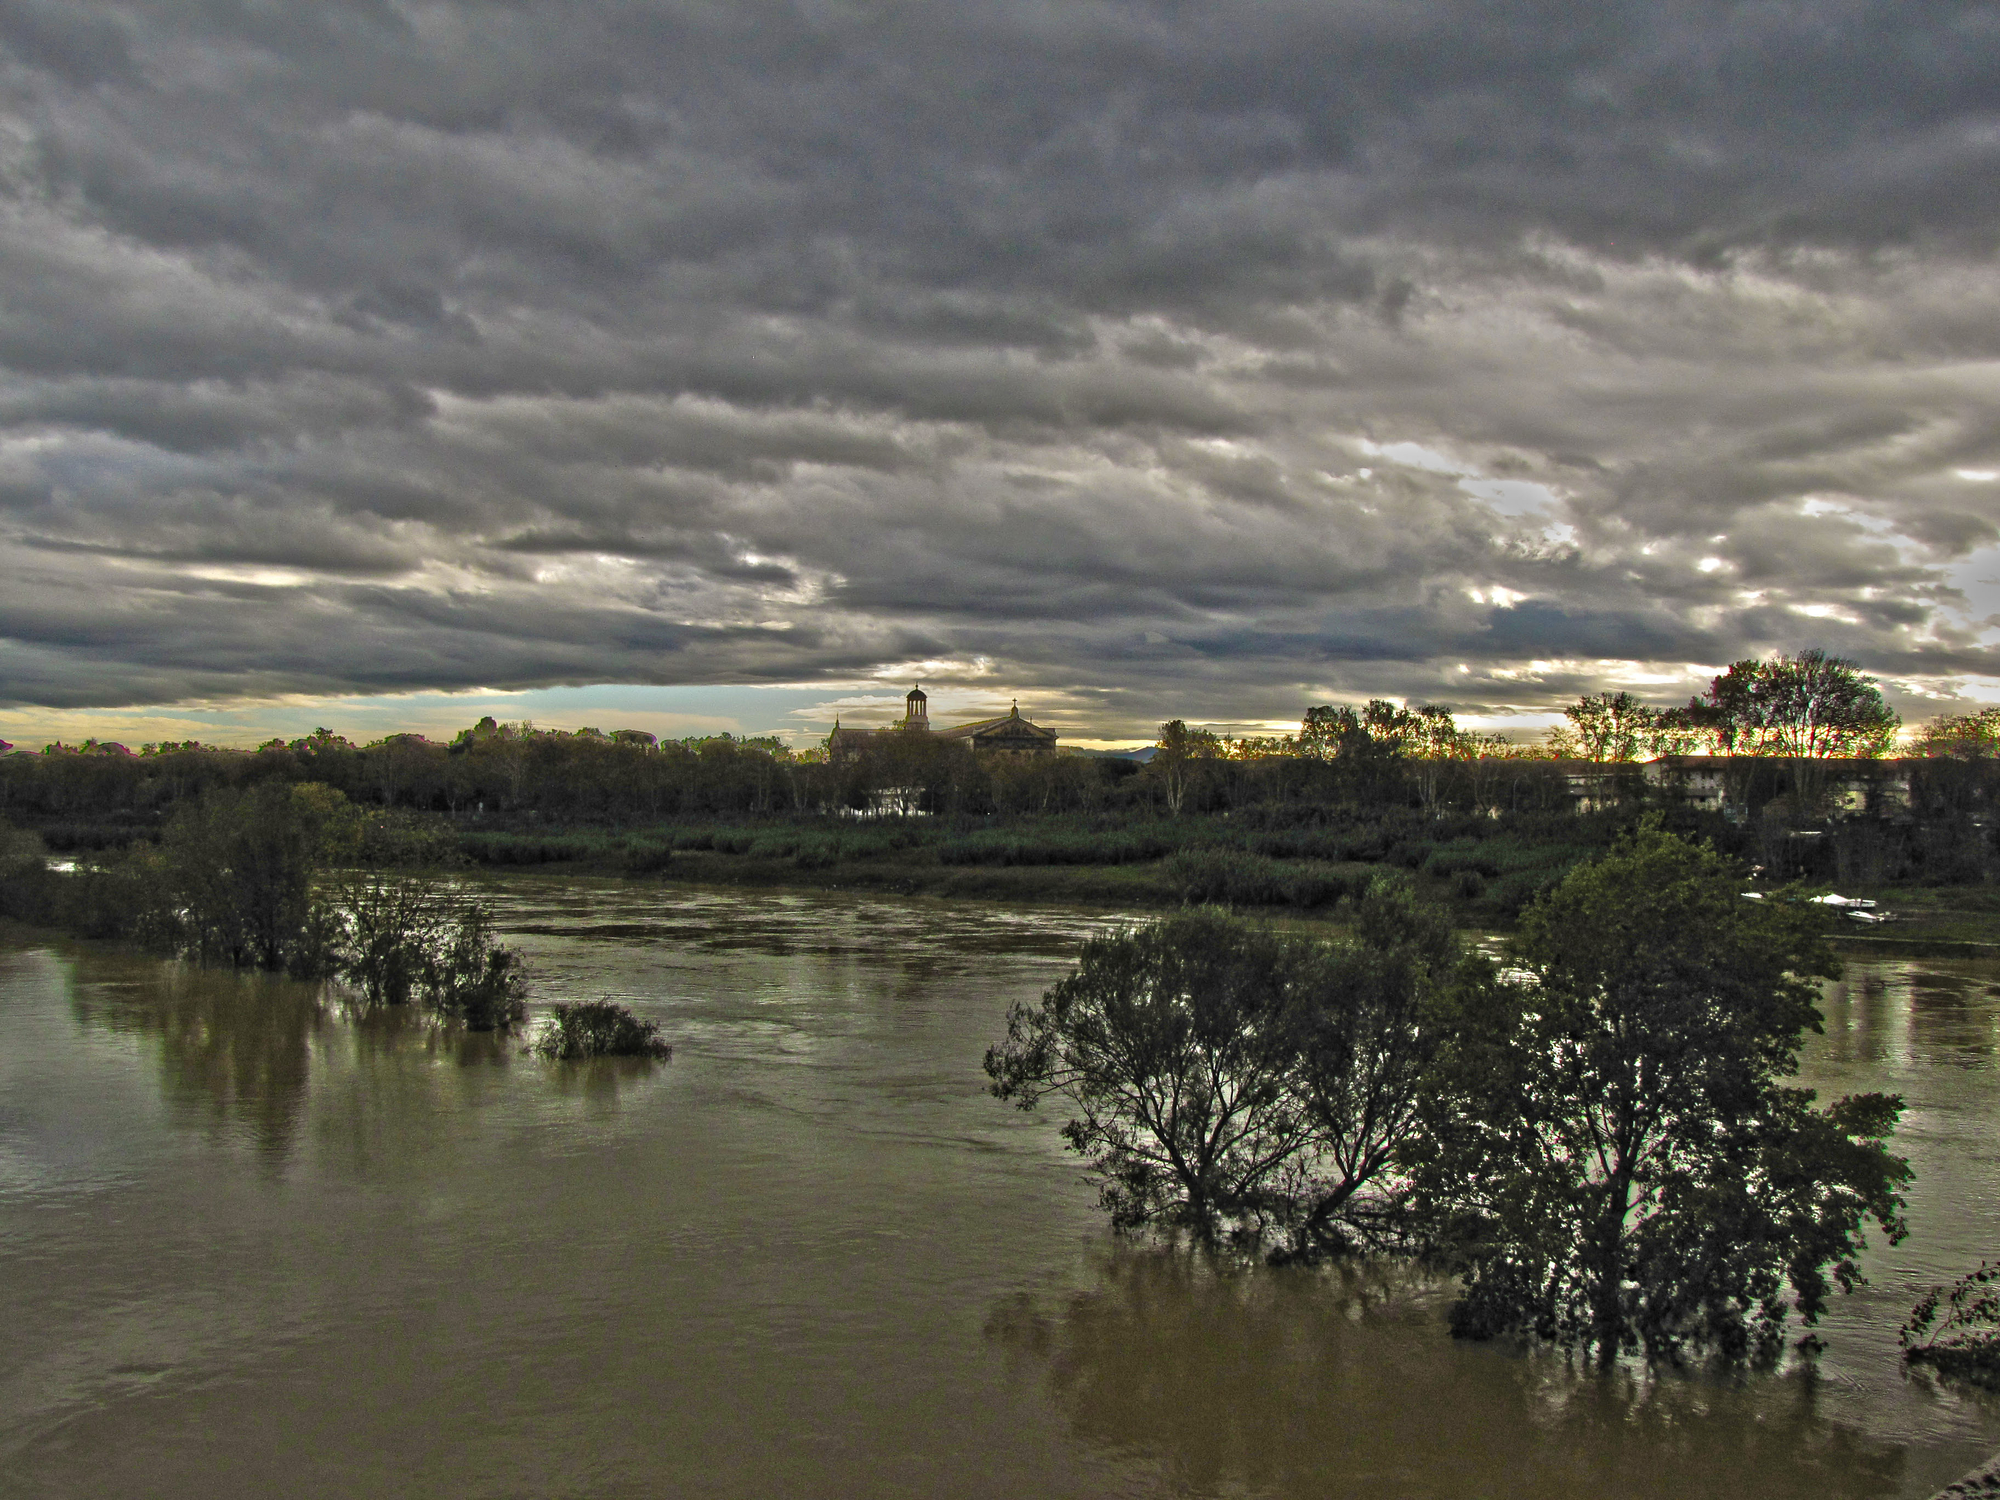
(1158, 357)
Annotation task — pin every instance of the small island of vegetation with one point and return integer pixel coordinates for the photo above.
(598, 1028)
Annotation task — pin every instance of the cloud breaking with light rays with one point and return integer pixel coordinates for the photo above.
(1158, 359)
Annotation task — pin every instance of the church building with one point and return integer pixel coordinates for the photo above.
(1007, 732)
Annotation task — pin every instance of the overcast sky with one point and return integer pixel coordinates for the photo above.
(1138, 359)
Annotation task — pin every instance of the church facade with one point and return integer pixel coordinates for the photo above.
(1009, 731)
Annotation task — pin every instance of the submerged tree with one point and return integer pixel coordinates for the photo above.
(1172, 1045)
(1957, 1331)
(241, 878)
(598, 1028)
(1365, 1020)
(236, 871)
(1616, 1163)
(404, 938)
(1230, 1079)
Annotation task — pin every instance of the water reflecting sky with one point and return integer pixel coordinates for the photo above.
(251, 1245)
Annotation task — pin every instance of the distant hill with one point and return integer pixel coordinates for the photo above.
(1141, 755)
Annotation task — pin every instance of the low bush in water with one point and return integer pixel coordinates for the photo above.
(599, 1028)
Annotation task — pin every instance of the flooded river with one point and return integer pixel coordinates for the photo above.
(249, 1246)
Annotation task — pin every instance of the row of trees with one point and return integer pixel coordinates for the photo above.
(1599, 1139)
(1808, 706)
(1803, 709)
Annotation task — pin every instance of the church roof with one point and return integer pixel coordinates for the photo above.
(1005, 730)
(1006, 726)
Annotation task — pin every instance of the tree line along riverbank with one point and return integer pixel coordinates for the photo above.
(1299, 822)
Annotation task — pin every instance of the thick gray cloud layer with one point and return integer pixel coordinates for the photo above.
(1194, 358)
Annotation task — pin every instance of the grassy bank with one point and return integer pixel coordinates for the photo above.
(1484, 872)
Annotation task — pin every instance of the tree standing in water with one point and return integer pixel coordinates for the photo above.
(237, 870)
(1173, 1045)
(1615, 1162)
(1229, 1079)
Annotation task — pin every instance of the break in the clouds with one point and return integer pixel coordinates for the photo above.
(1206, 359)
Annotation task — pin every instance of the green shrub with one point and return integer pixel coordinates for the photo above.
(1446, 863)
(647, 858)
(817, 854)
(1307, 889)
(599, 1028)
(406, 840)
(1054, 846)
(1231, 877)
(469, 976)
(1408, 855)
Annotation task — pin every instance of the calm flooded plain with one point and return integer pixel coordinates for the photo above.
(252, 1245)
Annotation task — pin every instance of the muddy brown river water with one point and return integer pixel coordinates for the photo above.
(251, 1246)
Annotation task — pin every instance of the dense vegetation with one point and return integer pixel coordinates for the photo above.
(1598, 1139)
(1302, 820)
(1612, 1157)
(1232, 1079)
(293, 877)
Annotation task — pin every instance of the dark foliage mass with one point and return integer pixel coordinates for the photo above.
(598, 1028)
(1613, 1159)
(398, 938)
(1597, 1140)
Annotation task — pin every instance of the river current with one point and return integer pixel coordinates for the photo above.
(251, 1245)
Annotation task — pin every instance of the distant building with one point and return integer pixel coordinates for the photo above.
(1007, 732)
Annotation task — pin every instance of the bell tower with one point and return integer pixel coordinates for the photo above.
(916, 710)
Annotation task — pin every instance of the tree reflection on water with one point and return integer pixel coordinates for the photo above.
(1251, 1380)
(238, 1050)
(234, 1048)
